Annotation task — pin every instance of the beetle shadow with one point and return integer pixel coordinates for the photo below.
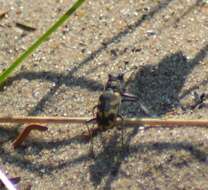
(159, 86)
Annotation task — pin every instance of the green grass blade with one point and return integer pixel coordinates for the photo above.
(39, 41)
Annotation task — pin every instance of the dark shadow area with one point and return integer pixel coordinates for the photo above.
(158, 86)
(58, 79)
(7, 133)
(37, 168)
(197, 154)
(29, 166)
(40, 144)
(108, 162)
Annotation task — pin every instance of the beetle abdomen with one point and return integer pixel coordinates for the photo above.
(108, 109)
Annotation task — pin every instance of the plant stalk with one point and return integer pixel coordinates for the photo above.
(127, 121)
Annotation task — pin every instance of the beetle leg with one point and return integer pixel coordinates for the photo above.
(129, 96)
(93, 120)
(93, 109)
(91, 140)
(103, 140)
(122, 130)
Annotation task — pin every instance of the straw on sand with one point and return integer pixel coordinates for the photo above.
(126, 121)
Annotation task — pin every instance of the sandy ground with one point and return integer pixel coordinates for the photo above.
(163, 43)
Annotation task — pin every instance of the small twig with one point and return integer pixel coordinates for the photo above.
(42, 120)
(157, 122)
(127, 121)
(23, 135)
(153, 122)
